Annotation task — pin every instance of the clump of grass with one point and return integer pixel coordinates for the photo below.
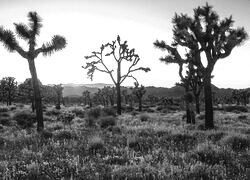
(108, 111)
(64, 134)
(237, 142)
(96, 145)
(211, 154)
(52, 112)
(144, 117)
(107, 121)
(25, 119)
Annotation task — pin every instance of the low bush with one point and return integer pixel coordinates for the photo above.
(108, 111)
(204, 171)
(211, 154)
(96, 145)
(94, 112)
(5, 114)
(237, 142)
(66, 117)
(25, 119)
(144, 117)
(52, 112)
(5, 121)
(4, 109)
(107, 121)
(242, 117)
(78, 111)
(64, 134)
(236, 108)
(137, 172)
(215, 135)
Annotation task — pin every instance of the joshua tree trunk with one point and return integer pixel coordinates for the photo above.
(197, 103)
(37, 95)
(188, 113)
(118, 89)
(33, 105)
(209, 121)
(140, 104)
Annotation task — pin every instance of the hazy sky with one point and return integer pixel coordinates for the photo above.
(87, 24)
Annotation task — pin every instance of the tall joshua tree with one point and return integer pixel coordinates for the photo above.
(205, 32)
(29, 33)
(120, 52)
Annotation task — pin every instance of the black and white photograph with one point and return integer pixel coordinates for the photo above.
(124, 90)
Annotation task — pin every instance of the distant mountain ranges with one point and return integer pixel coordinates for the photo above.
(174, 92)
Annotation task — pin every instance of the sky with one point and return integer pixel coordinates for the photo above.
(87, 24)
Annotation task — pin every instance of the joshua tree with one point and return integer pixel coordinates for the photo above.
(206, 33)
(175, 57)
(120, 52)
(29, 33)
(8, 88)
(196, 85)
(139, 91)
(59, 94)
(25, 90)
(86, 97)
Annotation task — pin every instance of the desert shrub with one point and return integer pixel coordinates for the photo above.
(96, 145)
(5, 114)
(237, 142)
(52, 112)
(94, 112)
(140, 144)
(25, 119)
(236, 108)
(159, 108)
(4, 109)
(150, 110)
(78, 111)
(66, 117)
(215, 135)
(200, 116)
(144, 117)
(57, 127)
(46, 135)
(180, 141)
(5, 121)
(12, 107)
(137, 172)
(204, 171)
(116, 160)
(64, 134)
(107, 121)
(242, 117)
(90, 121)
(211, 154)
(2, 142)
(108, 111)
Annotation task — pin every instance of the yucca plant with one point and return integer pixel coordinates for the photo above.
(29, 33)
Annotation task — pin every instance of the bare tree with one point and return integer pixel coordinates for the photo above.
(120, 52)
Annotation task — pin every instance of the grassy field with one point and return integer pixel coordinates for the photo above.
(77, 144)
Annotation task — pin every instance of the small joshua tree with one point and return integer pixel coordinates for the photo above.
(120, 52)
(8, 86)
(29, 34)
(139, 92)
(59, 94)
